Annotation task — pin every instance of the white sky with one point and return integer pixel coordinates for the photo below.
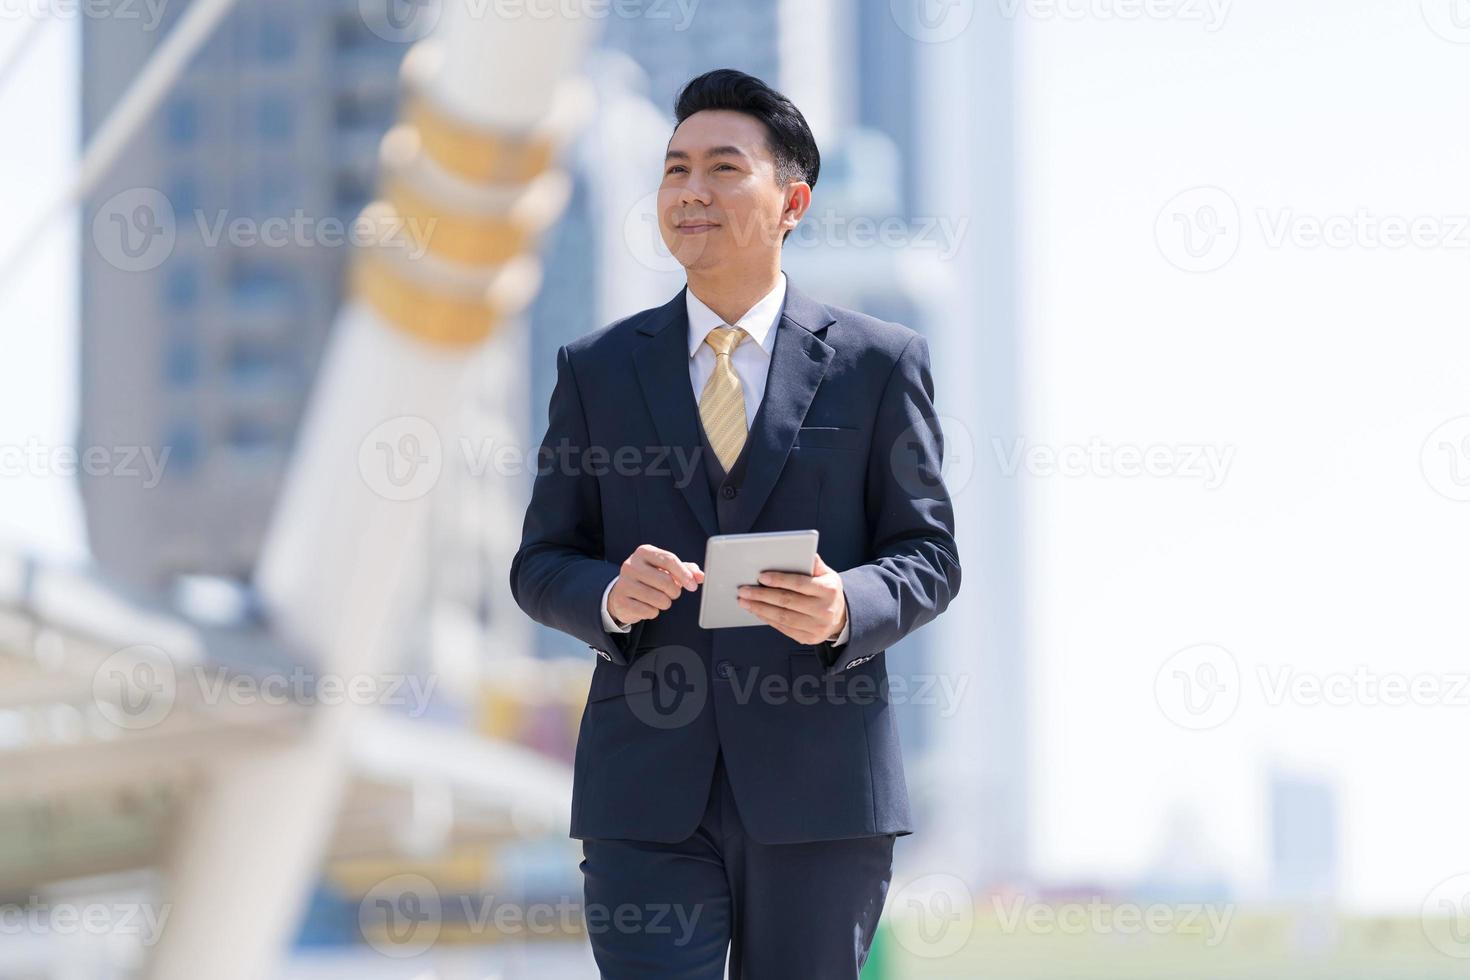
(1326, 369)
(39, 507)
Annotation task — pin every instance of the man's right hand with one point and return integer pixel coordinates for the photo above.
(649, 583)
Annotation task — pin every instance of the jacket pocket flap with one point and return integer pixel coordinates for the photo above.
(828, 437)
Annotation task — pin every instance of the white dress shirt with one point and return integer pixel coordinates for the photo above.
(752, 363)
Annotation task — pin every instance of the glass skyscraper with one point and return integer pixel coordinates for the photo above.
(212, 264)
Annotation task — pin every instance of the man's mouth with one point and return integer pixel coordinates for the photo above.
(696, 227)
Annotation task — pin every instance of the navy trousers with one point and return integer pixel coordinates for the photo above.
(673, 911)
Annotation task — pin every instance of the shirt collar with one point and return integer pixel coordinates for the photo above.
(760, 321)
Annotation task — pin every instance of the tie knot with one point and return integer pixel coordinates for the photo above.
(725, 339)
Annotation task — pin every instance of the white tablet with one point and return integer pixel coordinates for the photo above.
(733, 560)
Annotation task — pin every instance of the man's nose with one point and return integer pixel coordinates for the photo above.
(694, 190)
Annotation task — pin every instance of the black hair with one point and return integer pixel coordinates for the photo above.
(788, 136)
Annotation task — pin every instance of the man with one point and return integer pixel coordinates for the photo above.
(738, 789)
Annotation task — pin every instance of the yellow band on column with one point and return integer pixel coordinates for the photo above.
(435, 316)
(484, 239)
(478, 155)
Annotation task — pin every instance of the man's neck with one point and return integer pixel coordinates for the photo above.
(732, 296)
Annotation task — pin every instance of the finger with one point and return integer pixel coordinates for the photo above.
(779, 614)
(695, 575)
(653, 594)
(775, 597)
(767, 613)
(790, 581)
(795, 625)
(670, 564)
(656, 578)
(653, 553)
(819, 567)
(635, 610)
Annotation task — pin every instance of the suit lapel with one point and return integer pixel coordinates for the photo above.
(799, 359)
(798, 362)
(662, 363)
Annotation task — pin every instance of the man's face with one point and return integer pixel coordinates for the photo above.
(719, 202)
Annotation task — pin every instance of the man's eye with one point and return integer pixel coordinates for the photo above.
(672, 170)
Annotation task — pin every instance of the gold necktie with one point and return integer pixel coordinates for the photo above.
(722, 403)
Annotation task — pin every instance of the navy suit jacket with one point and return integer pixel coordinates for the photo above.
(845, 441)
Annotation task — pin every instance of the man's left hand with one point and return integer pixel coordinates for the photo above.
(810, 609)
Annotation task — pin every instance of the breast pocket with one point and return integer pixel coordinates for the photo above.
(828, 437)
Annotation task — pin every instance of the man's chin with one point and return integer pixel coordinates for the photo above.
(695, 256)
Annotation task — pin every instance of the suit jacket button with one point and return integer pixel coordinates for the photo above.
(723, 668)
(728, 492)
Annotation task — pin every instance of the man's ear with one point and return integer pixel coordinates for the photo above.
(798, 202)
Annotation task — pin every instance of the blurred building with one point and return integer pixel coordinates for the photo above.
(673, 45)
(1304, 849)
(206, 346)
(1185, 866)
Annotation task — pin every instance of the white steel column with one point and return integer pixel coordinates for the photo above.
(352, 514)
